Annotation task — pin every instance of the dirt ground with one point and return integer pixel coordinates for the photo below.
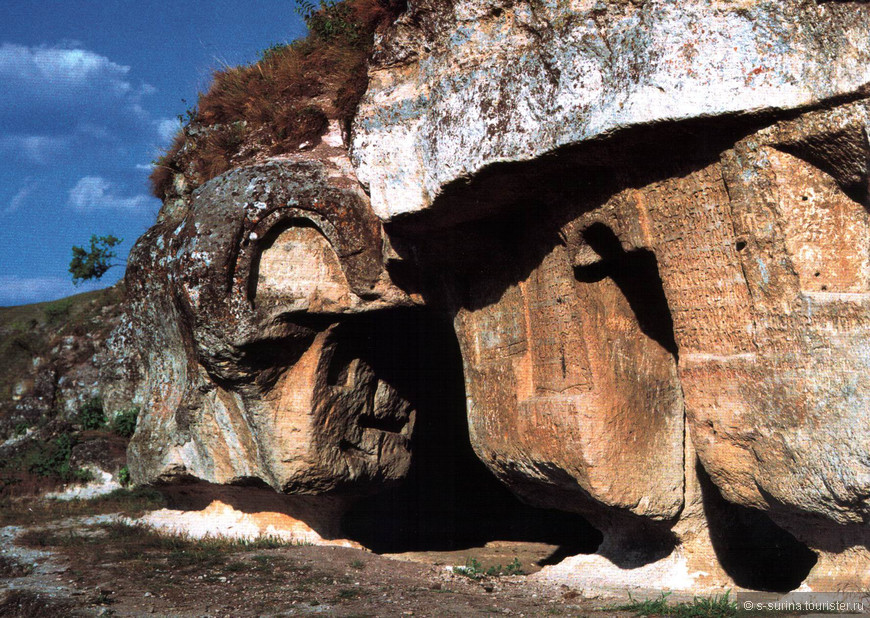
(91, 558)
(79, 559)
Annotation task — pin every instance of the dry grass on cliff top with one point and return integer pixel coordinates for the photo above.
(283, 100)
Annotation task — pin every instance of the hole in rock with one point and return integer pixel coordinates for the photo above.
(339, 366)
(449, 499)
(740, 245)
(636, 273)
(389, 425)
(753, 550)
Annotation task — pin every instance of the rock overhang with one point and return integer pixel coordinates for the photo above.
(457, 88)
(658, 282)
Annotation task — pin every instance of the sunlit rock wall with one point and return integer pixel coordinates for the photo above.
(650, 220)
(649, 224)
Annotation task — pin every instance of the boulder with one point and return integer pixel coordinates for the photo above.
(251, 376)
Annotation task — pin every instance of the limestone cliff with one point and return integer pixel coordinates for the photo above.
(648, 222)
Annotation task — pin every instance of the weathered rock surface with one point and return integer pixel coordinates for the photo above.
(650, 224)
(250, 377)
(457, 87)
(727, 282)
(716, 268)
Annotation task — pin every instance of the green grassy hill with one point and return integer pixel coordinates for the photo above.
(29, 332)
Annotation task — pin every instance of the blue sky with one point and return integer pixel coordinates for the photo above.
(90, 93)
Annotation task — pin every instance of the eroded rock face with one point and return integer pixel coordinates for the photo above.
(649, 223)
(256, 372)
(459, 86)
(632, 293)
(652, 301)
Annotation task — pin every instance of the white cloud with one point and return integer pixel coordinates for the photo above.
(96, 193)
(167, 128)
(58, 89)
(94, 131)
(61, 68)
(39, 149)
(16, 290)
(21, 196)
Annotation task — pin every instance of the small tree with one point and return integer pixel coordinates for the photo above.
(93, 263)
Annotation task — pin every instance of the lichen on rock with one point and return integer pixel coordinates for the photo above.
(648, 223)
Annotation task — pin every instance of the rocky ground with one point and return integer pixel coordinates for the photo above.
(88, 557)
(77, 559)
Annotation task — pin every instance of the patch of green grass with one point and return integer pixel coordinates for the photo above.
(124, 476)
(91, 414)
(473, 569)
(52, 460)
(124, 421)
(717, 606)
(58, 311)
(129, 501)
(514, 568)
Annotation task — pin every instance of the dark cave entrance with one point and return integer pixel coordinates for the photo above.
(751, 548)
(449, 499)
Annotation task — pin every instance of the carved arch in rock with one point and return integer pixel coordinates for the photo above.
(296, 266)
(338, 235)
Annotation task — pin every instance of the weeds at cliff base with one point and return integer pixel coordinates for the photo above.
(124, 421)
(52, 459)
(133, 541)
(133, 502)
(91, 414)
(473, 569)
(717, 606)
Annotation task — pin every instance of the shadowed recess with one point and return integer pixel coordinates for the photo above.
(636, 273)
(753, 550)
(449, 499)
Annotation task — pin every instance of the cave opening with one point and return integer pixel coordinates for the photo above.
(755, 552)
(449, 499)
